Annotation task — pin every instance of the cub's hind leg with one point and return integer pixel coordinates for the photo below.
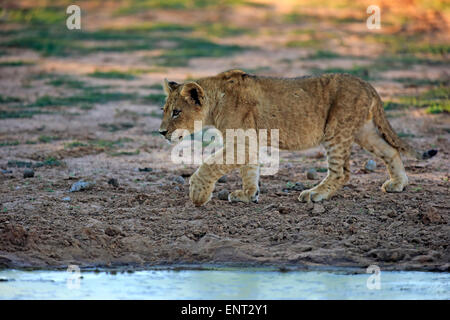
(250, 185)
(369, 139)
(338, 154)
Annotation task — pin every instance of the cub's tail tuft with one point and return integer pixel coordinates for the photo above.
(429, 154)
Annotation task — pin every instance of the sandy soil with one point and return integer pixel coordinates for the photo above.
(146, 218)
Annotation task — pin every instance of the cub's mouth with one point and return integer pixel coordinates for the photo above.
(176, 136)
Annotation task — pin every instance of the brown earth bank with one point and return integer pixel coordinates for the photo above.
(146, 218)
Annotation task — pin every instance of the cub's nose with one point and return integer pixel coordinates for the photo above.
(163, 132)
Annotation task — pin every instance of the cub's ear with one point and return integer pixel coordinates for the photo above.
(169, 86)
(193, 93)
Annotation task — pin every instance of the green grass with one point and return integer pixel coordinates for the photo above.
(221, 30)
(36, 16)
(298, 17)
(156, 114)
(324, 54)
(66, 81)
(109, 144)
(435, 100)
(439, 108)
(439, 100)
(155, 98)
(311, 43)
(392, 105)
(409, 44)
(49, 162)
(419, 81)
(85, 97)
(8, 99)
(389, 62)
(439, 93)
(134, 7)
(52, 39)
(15, 63)
(113, 127)
(75, 144)
(188, 48)
(156, 86)
(20, 114)
(406, 135)
(162, 27)
(47, 139)
(57, 41)
(85, 100)
(358, 71)
(113, 74)
(9, 143)
(86, 106)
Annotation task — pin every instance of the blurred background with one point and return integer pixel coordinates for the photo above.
(98, 89)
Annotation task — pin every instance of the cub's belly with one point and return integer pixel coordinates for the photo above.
(295, 135)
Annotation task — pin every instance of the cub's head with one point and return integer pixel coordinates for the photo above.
(185, 104)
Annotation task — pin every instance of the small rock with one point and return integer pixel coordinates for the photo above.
(370, 165)
(318, 208)
(113, 182)
(145, 169)
(223, 195)
(28, 173)
(66, 199)
(299, 186)
(112, 231)
(222, 179)
(311, 174)
(288, 165)
(81, 186)
(432, 216)
(284, 210)
(179, 180)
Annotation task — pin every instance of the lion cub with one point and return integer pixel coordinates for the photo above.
(334, 110)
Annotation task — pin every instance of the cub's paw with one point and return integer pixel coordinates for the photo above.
(242, 196)
(393, 186)
(200, 192)
(312, 195)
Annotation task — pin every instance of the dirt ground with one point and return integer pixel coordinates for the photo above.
(143, 216)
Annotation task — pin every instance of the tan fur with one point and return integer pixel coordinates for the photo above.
(334, 110)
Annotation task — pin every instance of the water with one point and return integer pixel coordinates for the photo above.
(231, 283)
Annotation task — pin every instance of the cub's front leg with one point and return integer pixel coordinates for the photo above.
(201, 186)
(202, 182)
(250, 185)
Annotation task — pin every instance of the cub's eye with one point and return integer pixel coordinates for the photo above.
(175, 113)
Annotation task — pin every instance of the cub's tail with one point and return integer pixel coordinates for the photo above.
(389, 135)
